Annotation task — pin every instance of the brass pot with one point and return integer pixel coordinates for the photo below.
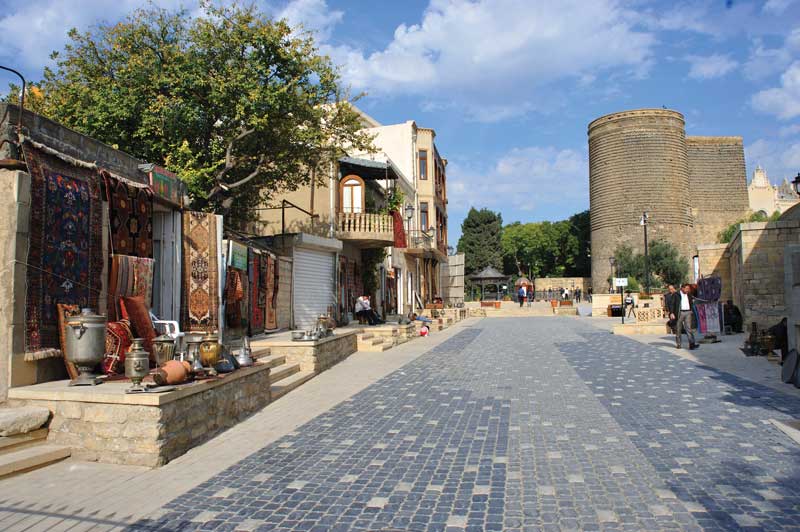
(210, 350)
(137, 364)
(163, 349)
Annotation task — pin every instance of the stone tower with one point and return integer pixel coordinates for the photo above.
(637, 162)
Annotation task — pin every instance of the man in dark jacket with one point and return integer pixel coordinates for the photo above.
(668, 297)
(681, 306)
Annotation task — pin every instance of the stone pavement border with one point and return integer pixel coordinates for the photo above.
(79, 496)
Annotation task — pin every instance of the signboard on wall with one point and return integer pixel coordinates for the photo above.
(237, 255)
(166, 186)
(620, 281)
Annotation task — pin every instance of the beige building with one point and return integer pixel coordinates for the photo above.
(768, 198)
(334, 228)
(414, 151)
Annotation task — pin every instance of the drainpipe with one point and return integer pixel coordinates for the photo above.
(331, 186)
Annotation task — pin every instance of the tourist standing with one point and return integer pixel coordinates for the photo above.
(521, 295)
(681, 311)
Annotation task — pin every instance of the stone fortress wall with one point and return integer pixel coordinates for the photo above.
(641, 160)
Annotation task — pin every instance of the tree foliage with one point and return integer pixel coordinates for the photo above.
(726, 235)
(667, 266)
(237, 104)
(480, 241)
(548, 249)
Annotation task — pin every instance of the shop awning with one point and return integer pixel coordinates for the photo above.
(368, 169)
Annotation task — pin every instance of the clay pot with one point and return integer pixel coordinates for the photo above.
(172, 372)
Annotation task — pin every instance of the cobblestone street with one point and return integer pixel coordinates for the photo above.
(521, 424)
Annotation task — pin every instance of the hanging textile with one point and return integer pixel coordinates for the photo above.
(709, 288)
(271, 293)
(130, 276)
(258, 291)
(200, 300)
(235, 296)
(65, 255)
(131, 217)
(399, 230)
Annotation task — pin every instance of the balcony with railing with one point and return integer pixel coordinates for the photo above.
(365, 230)
(423, 244)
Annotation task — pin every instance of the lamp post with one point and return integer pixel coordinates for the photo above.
(796, 183)
(643, 223)
(611, 262)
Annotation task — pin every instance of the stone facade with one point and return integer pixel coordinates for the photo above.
(717, 183)
(152, 434)
(768, 198)
(284, 306)
(756, 258)
(641, 160)
(315, 356)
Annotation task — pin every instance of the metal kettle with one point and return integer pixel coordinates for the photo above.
(86, 345)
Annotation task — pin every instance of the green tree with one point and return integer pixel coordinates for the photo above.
(239, 105)
(480, 241)
(667, 266)
(726, 235)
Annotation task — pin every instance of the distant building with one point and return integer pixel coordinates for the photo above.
(768, 198)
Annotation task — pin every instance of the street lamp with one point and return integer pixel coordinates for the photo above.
(611, 262)
(643, 223)
(796, 183)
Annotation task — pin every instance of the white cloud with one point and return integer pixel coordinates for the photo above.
(777, 7)
(710, 66)
(765, 61)
(500, 52)
(783, 101)
(788, 131)
(523, 179)
(312, 15)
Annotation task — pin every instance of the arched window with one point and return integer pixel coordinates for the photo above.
(351, 194)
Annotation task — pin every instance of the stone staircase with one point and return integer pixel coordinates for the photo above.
(284, 376)
(372, 343)
(27, 451)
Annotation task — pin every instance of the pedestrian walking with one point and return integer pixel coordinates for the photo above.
(578, 295)
(668, 297)
(681, 311)
(629, 303)
(589, 295)
(521, 295)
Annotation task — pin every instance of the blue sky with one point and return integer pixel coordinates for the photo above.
(510, 85)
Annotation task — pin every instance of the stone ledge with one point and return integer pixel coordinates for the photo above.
(114, 392)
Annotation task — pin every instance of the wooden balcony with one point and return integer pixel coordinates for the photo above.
(365, 230)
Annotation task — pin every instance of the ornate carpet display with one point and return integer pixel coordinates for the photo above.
(130, 276)
(200, 308)
(65, 257)
(257, 271)
(271, 293)
(131, 216)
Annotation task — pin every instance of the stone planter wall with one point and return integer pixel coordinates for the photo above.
(318, 356)
(149, 434)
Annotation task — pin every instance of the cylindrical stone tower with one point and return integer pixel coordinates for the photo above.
(637, 162)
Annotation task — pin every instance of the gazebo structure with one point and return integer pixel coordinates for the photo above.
(487, 277)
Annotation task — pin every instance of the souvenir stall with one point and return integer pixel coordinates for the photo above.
(708, 310)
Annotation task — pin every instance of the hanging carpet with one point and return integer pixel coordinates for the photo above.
(65, 253)
(271, 293)
(399, 230)
(200, 300)
(131, 218)
(130, 276)
(258, 291)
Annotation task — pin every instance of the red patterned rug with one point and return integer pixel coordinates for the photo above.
(65, 255)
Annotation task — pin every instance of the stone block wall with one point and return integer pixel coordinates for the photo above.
(284, 307)
(757, 270)
(715, 261)
(543, 283)
(717, 184)
(153, 435)
(318, 357)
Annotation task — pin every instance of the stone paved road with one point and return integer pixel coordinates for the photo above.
(522, 424)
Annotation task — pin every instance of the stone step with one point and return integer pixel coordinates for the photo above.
(260, 352)
(17, 441)
(365, 336)
(282, 372)
(288, 384)
(33, 457)
(272, 361)
(379, 347)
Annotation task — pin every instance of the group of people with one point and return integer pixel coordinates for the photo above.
(525, 294)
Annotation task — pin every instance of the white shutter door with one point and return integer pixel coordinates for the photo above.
(313, 285)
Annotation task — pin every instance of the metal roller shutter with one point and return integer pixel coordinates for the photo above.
(313, 285)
